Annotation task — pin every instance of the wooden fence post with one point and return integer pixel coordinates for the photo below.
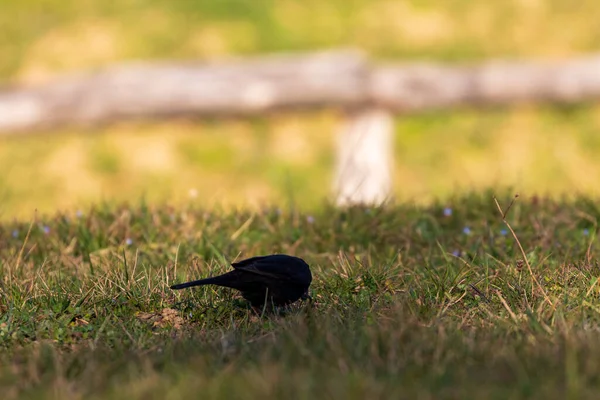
(364, 157)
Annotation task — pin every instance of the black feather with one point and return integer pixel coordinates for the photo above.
(276, 279)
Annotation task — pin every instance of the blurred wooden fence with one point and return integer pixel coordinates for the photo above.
(369, 94)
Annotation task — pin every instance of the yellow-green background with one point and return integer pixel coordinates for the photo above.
(533, 149)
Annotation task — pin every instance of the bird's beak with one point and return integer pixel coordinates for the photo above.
(306, 296)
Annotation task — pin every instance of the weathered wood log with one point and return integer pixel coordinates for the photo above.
(154, 90)
(258, 86)
(364, 158)
(417, 87)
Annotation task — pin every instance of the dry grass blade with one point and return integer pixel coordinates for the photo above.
(514, 235)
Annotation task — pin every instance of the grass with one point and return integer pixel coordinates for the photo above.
(410, 302)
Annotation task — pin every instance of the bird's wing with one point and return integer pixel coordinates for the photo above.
(267, 266)
(248, 261)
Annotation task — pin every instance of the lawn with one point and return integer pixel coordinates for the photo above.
(410, 301)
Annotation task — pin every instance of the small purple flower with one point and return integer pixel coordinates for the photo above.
(456, 253)
(15, 233)
(46, 229)
(310, 219)
(467, 230)
(447, 211)
(586, 232)
(128, 241)
(503, 232)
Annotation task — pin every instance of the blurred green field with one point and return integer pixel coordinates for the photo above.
(290, 158)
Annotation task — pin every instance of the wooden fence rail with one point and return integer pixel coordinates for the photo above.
(340, 79)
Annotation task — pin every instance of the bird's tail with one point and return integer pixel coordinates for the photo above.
(227, 280)
(207, 281)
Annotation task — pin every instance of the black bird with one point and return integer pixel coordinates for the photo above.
(276, 280)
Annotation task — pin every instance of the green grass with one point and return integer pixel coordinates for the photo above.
(408, 303)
